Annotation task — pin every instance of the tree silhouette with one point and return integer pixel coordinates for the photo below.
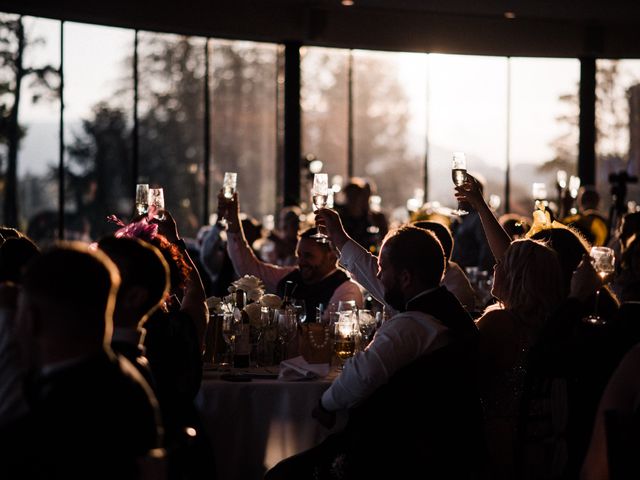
(14, 42)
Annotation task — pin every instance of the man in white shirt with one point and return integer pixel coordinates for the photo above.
(316, 277)
(411, 395)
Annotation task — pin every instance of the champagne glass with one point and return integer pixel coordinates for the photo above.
(603, 262)
(459, 175)
(156, 203)
(229, 184)
(142, 199)
(319, 196)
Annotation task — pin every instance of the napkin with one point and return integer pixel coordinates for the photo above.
(297, 368)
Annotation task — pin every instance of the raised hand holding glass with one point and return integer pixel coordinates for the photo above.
(603, 262)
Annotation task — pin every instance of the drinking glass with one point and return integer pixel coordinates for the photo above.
(319, 196)
(156, 203)
(301, 310)
(345, 332)
(229, 184)
(287, 325)
(142, 199)
(459, 175)
(346, 305)
(603, 262)
(229, 336)
(367, 324)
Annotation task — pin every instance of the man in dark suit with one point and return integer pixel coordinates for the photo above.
(91, 415)
(414, 409)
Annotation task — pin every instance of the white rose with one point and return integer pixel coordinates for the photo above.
(254, 295)
(253, 311)
(271, 301)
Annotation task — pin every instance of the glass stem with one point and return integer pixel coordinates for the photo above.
(597, 301)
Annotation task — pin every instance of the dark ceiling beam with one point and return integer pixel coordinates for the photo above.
(382, 24)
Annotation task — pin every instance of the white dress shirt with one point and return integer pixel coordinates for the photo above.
(457, 283)
(398, 342)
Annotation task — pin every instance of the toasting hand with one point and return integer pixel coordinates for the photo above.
(329, 221)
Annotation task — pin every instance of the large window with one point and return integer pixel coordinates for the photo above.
(618, 128)
(171, 119)
(38, 117)
(389, 105)
(98, 118)
(468, 113)
(544, 130)
(325, 112)
(243, 128)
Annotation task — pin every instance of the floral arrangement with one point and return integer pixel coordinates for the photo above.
(255, 296)
(250, 284)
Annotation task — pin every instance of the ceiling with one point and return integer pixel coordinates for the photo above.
(589, 28)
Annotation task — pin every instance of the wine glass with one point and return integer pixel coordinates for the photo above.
(345, 332)
(603, 262)
(156, 203)
(367, 324)
(142, 199)
(319, 196)
(346, 305)
(287, 325)
(229, 184)
(301, 310)
(459, 175)
(229, 336)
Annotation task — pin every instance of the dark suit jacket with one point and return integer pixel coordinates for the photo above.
(92, 419)
(427, 418)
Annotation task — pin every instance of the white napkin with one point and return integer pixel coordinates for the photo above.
(297, 368)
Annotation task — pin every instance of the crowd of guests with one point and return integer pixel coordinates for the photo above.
(101, 345)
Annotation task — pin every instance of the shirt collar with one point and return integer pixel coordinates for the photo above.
(421, 294)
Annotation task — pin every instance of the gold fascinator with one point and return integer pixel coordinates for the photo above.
(542, 221)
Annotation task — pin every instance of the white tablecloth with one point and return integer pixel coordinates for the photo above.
(253, 425)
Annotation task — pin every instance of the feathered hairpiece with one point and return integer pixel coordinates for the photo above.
(141, 229)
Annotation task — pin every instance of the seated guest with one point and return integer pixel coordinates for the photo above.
(515, 225)
(173, 342)
(316, 277)
(16, 251)
(214, 256)
(285, 240)
(145, 284)
(589, 221)
(365, 226)
(528, 286)
(579, 353)
(614, 443)
(454, 278)
(91, 413)
(413, 407)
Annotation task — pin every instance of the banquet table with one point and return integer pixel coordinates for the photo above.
(254, 424)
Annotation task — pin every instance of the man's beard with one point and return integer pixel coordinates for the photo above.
(394, 297)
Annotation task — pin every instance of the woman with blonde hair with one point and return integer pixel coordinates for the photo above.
(528, 286)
